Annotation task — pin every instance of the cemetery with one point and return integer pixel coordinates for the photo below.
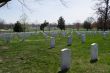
(53, 55)
(54, 36)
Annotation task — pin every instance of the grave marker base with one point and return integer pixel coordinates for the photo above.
(64, 70)
(93, 61)
(69, 45)
(52, 47)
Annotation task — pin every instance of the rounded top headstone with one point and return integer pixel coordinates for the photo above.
(64, 49)
(93, 44)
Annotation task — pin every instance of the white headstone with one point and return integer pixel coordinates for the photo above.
(23, 35)
(104, 34)
(65, 59)
(95, 32)
(69, 40)
(7, 37)
(64, 34)
(83, 38)
(78, 34)
(94, 52)
(53, 34)
(52, 42)
(45, 34)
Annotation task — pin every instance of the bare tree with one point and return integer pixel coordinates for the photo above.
(77, 25)
(2, 22)
(23, 20)
(4, 2)
(103, 10)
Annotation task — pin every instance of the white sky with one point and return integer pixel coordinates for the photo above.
(50, 10)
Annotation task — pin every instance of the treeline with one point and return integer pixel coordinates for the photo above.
(88, 24)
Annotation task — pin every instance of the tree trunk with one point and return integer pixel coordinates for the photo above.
(106, 15)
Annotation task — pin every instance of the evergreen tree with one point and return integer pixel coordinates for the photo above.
(61, 23)
(87, 25)
(43, 25)
(18, 27)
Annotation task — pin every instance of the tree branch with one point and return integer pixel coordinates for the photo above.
(3, 2)
(63, 3)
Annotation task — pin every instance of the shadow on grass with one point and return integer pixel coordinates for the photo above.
(63, 71)
(51, 47)
(93, 61)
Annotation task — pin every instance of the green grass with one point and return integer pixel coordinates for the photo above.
(35, 56)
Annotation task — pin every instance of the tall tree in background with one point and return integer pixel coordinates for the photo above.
(2, 23)
(100, 22)
(61, 23)
(18, 27)
(87, 25)
(88, 22)
(23, 20)
(43, 25)
(77, 25)
(103, 10)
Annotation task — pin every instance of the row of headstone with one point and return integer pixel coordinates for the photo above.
(78, 34)
(105, 34)
(83, 35)
(83, 38)
(52, 41)
(7, 37)
(53, 34)
(23, 35)
(69, 42)
(93, 32)
(63, 34)
(66, 57)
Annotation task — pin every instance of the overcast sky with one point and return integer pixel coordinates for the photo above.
(50, 10)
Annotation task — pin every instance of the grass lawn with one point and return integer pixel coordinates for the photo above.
(35, 56)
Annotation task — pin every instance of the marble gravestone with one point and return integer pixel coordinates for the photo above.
(45, 34)
(53, 34)
(7, 37)
(94, 53)
(95, 33)
(78, 34)
(52, 42)
(23, 36)
(65, 60)
(104, 34)
(69, 42)
(64, 34)
(83, 37)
